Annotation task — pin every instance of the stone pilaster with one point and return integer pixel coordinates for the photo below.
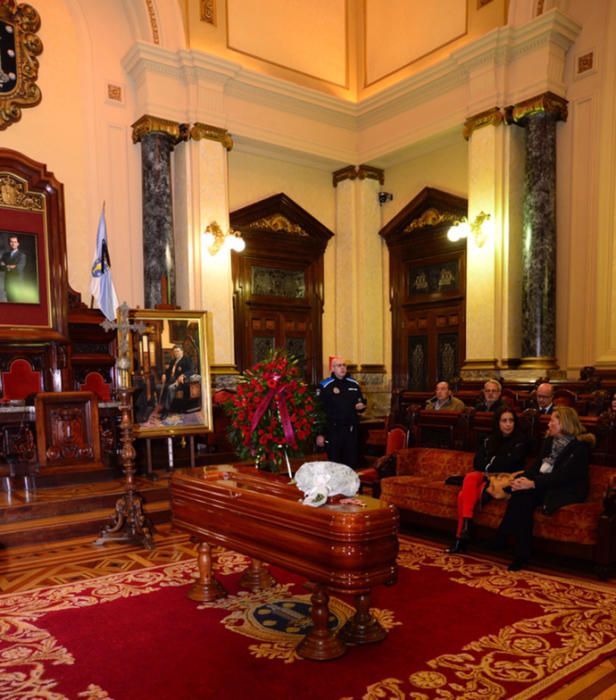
(539, 117)
(483, 295)
(158, 138)
(359, 321)
(210, 279)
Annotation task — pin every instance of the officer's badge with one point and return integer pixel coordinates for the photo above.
(336, 390)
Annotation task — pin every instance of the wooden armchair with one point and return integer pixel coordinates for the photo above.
(370, 477)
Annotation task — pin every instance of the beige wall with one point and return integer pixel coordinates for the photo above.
(289, 138)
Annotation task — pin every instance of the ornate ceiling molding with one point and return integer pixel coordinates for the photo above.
(149, 124)
(358, 172)
(213, 133)
(491, 117)
(547, 103)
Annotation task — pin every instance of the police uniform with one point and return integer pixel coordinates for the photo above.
(338, 398)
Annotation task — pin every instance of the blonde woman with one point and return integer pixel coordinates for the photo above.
(558, 477)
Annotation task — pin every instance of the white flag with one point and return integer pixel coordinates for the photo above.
(101, 285)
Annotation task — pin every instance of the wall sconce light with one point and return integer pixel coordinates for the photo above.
(480, 228)
(215, 239)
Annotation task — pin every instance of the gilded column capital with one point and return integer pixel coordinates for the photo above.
(358, 172)
(490, 117)
(148, 124)
(213, 133)
(547, 103)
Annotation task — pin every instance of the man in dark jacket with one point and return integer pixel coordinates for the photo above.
(175, 376)
(342, 402)
(491, 400)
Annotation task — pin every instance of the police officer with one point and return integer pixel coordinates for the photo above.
(342, 402)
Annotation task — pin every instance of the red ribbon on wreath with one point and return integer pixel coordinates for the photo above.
(278, 393)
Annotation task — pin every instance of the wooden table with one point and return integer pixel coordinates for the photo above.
(337, 547)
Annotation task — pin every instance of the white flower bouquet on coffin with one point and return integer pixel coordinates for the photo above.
(320, 480)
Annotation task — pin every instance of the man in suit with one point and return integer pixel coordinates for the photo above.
(176, 374)
(13, 264)
(545, 396)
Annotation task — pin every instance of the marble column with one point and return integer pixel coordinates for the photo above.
(158, 138)
(539, 116)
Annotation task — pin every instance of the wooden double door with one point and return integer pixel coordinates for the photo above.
(427, 273)
(433, 338)
(269, 329)
(278, 284)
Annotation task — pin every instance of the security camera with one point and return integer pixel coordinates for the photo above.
(385, 197)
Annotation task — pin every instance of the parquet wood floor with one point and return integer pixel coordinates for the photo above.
(34, 566)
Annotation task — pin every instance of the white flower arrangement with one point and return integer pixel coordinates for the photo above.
(320, 480)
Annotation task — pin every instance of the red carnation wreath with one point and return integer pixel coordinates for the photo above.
(273, 413)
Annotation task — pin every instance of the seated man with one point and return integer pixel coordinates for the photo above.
(491, 400)
(444, 399)
(175, 376)
(545, 396)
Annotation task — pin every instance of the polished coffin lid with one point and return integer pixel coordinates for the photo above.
(347, 547)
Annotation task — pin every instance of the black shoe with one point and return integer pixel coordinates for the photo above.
(518, 564)
(458, 547)
(465, 534)
(163, 415)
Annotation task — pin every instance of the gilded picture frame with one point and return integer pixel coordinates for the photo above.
(19, 48)
(170, 373)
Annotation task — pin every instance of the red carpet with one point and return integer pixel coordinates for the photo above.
(459, 628)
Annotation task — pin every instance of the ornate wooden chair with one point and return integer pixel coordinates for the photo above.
(17, 445)
(21, 381)
(369, 478)
(95, 383)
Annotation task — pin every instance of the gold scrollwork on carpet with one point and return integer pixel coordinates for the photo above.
(35, 651)
(577, 626)
(228, 562)
(94, 692)
(278, 619)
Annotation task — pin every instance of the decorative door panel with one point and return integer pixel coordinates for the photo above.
(433, 345)
(427, 275)
(288, 330)
(278, 283)
(417, 362)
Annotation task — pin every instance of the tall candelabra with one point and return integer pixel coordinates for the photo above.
(129, 522)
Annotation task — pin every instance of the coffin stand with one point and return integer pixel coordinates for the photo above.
(338, 547)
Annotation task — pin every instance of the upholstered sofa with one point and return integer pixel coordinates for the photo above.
(581, 530)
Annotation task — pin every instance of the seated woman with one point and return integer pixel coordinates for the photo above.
(610, 413)
(504, 450)
(558, 477)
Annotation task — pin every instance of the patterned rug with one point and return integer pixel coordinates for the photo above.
(459, 628)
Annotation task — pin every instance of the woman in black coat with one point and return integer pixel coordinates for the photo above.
(558, 477)
(504, 450)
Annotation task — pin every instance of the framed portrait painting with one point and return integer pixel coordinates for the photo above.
(33, 268)
(170, 373)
